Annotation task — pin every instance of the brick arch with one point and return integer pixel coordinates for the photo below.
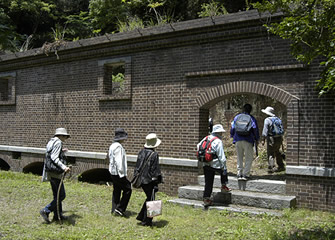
(206, 99)
(217, 93)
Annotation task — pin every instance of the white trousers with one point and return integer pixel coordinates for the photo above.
(244, 150)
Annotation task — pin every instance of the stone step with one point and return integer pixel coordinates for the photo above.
(247, 198)
(256, 185)
(228, 207)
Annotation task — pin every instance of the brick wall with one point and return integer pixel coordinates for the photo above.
(177, 74)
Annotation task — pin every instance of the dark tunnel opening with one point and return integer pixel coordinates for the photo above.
(34, 168)
(96, 176)
(4, 165)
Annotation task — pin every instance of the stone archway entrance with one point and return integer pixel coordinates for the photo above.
(261, 94)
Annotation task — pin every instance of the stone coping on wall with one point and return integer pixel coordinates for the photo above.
(149, 32)
(101, 156)
(310, 171)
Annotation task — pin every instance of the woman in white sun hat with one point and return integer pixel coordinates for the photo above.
(55, 156)
(151, 176)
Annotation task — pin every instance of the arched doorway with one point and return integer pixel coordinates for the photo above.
(223, 113)
(34, 168)
(96, 175)
(4, 165)
(234, 95)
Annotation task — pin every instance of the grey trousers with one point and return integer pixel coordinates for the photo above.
(244, 150)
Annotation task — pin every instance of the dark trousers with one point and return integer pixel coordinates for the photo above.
(120, 185)
(148, 190)
(209, 173)
(52, 207)
(273, 151)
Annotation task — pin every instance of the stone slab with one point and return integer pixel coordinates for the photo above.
(248, 198)
(257, 185)
(230, 207)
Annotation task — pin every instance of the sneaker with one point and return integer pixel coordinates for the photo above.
(119, 212)
(45, 216)
(208, 202)
(224, 188)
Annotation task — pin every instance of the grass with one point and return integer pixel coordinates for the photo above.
(88, 206)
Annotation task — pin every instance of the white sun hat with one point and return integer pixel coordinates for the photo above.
(152, 141)
(269, 111)
(218, 128)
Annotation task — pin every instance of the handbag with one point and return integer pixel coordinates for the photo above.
(136, 182)
(154, 207)
(50, 166)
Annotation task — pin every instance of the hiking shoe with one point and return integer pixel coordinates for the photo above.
(62, 217)
(119, 212)
(45, 216)
(208, 202)
(279, 169)
(224, 188)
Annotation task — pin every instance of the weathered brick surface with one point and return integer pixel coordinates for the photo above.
(177, 73)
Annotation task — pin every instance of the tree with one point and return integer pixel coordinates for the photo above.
(310, 26)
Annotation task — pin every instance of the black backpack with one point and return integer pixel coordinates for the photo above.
(243, 124)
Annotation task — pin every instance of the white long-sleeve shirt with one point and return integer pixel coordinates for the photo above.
(117, 160)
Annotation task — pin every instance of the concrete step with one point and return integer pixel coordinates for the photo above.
(228, 207)
(247, 198)
(256, 185)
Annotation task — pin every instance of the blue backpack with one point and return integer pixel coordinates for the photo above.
(276, 128)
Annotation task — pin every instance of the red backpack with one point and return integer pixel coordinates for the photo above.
(204, 153)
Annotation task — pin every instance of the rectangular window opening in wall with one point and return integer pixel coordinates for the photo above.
(115, 79)
(4, 89)
(7, 88)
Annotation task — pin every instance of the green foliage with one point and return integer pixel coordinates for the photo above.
(131, 24)
(119, 78)
(212, 9)
(8, 37)
(79, 26)
(310, 26)
(105, 14)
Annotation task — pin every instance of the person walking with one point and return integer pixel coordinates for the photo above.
(218, 164)
(55, 156)
(245, 133)
(118, 170)
(273, 134)
(151, 174)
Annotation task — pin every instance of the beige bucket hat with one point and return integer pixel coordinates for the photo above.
(152, 141)
(61, 132)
